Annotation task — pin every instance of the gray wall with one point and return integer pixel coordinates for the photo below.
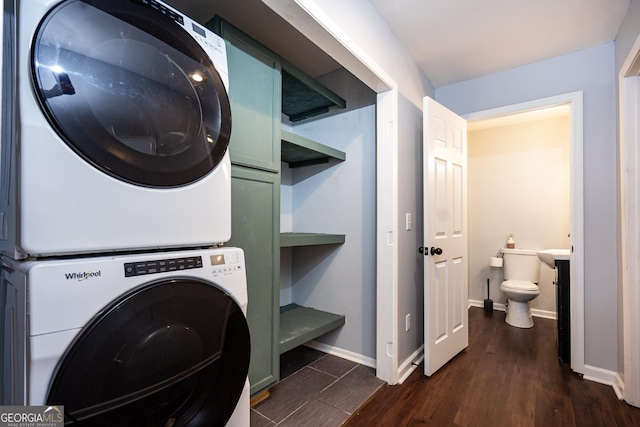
(411, 263)
(627, 35)
(591, 71)
(340, 199)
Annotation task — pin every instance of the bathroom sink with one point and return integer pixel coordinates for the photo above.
(549, 256)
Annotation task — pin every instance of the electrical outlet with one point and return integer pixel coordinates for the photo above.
(407, 322)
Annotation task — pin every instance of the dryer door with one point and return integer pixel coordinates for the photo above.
(130, 91)
(169, 353)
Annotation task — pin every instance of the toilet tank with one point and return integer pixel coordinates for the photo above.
(521, 264)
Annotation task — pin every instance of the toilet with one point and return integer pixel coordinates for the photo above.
(521, 269)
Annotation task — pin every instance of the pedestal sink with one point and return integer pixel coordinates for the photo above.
(549, 256)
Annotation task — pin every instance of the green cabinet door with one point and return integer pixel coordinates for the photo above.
(255, 86)
(256, 229)
(255, 93)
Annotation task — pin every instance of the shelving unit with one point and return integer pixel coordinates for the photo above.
(298, 324)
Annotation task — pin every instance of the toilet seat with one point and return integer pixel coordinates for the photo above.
(520, 285)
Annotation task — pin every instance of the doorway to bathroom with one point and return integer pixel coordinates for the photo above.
(525, 179)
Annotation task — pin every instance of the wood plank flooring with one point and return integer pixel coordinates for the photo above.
(506, 377)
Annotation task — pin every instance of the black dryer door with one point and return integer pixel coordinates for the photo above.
(130, 91)
(170, 353)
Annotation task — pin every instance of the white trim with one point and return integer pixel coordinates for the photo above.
(387, 237)
(618, 386)
(574, 100)
(410, 365)
(342, 353)
(535, 312)
(496, 305)
(544, 314)
(629, 107)
(599, 375)
(310, 19)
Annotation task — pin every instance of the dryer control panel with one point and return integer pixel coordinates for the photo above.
(212, 43)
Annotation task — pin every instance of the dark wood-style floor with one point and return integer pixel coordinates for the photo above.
(506, 377)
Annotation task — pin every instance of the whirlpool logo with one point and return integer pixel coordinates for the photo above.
(82, 275)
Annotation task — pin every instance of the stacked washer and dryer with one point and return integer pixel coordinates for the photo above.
(117, 298)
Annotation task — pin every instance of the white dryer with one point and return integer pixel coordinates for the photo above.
(115, 129)
(131, 340)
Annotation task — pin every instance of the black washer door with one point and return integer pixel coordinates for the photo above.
(170, 353)
(130, 91)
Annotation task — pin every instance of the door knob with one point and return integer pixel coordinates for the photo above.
(422, 250)
(436, 251)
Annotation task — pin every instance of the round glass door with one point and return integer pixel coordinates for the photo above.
(131, 92)
(170, 353)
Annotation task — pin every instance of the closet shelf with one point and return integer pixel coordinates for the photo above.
(288, 240)
(303, 97)
(299, 325)
(298, 151)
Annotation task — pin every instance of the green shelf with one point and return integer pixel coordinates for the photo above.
(299, 325)
(288, 240)
(303, 97)
(299, 151)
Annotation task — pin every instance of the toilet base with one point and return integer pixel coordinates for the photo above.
(519, 314)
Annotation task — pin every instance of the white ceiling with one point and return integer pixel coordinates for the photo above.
(451, 40)
(457, 40)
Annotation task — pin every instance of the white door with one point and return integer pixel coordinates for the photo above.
(446, 332)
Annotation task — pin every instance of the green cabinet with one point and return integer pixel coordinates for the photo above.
(256, 229)
(255, 93)
(255, 96)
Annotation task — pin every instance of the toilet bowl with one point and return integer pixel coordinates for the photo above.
(519, 293)
(521, 269)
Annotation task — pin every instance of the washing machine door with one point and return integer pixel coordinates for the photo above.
(130, 91)
(169, 353)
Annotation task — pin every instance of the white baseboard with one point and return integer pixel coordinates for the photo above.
(599, 375)
(345, 354)
(496, 305)
(410, 365)
(618, 386)
(545, 314)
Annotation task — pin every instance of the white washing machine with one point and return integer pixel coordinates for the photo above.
(115, 129)
(157, 339)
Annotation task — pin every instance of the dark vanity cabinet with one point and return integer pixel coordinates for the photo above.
(563, 292)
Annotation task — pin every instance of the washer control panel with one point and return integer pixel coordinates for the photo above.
(161, 266)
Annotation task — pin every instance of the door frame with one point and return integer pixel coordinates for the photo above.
(629, 138)
(575, 103)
